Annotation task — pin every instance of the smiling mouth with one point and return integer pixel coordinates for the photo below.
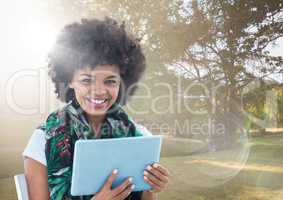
(97, 102)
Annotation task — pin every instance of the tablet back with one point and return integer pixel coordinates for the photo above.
(94, 160)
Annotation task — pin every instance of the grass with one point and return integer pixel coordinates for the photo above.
(253, 171)
(7, 189)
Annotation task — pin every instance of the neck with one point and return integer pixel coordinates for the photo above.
(96, 121)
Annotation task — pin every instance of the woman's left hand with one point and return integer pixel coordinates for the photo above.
(157, 177)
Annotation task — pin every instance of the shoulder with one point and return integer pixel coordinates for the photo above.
(55, 121)
(35, 148)
(143, 129)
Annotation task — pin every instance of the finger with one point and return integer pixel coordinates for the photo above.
(158, 174)
(123, 195)
(123, 186)
(153, 179)
(155, 188)
(110, 179)
(162, 169)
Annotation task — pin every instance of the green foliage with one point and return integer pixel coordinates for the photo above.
(221, 44)
(255, 102)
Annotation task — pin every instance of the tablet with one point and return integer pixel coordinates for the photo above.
(94, 161)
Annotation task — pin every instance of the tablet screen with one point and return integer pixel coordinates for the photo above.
(94, 160)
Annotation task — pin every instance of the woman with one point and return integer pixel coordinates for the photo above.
(95, 66)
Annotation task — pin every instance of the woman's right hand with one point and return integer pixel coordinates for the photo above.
(119, 193)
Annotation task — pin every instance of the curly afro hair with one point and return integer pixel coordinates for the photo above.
(95, 42)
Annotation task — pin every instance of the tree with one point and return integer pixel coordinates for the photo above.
(256, 103)
(230, 49)
(220, 43)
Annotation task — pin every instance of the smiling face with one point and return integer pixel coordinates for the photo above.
(96, 89)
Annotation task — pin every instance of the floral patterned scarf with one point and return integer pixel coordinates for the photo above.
(63, 128)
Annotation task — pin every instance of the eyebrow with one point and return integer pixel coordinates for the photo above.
(108, 77)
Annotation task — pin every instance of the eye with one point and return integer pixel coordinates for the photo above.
(110, 82)
(85, 81)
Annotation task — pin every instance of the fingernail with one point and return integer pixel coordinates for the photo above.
(131, 179)
(155, 165)
(133, 186)
(145, 173)
(115, 171)
(145, 178)
(149, 167)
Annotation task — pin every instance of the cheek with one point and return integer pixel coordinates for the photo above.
(80, 93)
(114, 92)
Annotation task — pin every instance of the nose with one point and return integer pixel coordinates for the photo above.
(98, 89)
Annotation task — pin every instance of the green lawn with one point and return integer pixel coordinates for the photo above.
(253, 171)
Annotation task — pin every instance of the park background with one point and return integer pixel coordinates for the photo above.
(213, 88)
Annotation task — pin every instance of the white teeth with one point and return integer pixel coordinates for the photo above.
(97, 101)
